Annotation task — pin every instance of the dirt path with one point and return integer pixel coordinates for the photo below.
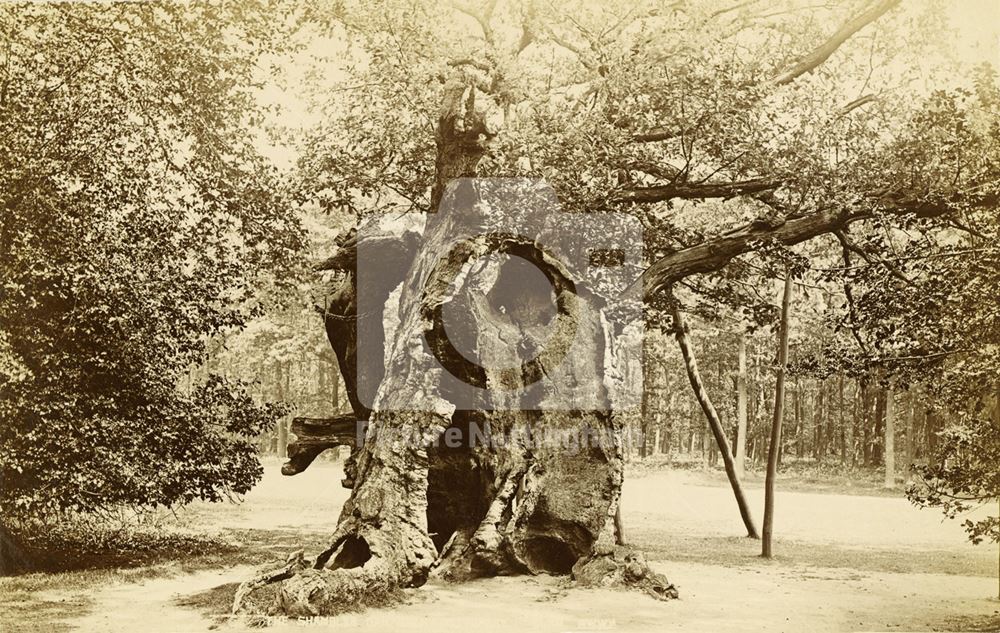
(716, 599)
(151, 606)
(722, 589)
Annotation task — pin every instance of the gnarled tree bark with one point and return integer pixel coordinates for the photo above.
(467, 509)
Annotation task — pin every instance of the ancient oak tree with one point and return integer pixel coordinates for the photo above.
(655, 110)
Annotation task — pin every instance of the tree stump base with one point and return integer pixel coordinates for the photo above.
(623, 567)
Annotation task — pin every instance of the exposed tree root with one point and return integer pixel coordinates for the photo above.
(623, 567)
(256, 595)
(312, 592)
(522, 531)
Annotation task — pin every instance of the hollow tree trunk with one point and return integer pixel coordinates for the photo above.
(420, 506)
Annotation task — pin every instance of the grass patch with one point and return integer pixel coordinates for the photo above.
(45, 601)
(214, 603)
(744, 552)
(25, 613)
(990, 623)
(57, 553)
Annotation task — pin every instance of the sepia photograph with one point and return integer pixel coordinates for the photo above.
(547, 316)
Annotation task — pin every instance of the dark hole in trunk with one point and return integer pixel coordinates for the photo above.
(457, 490)
(548, 554)
(523, 293)
(354, 552)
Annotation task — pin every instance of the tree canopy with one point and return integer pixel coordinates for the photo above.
(850, 142)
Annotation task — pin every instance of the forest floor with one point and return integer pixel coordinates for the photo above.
(845, 562)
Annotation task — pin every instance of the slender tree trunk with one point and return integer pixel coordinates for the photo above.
(644, 412)
(866, 424)
(779, 399)
(931, 423)
(996, 404)
(819, 417)
(830, 437)
(797, 408)
(282, 446)
(321, 385)
(878, 433)
(714, 422)
(843, 419)
(703, 441)
(911, 410)
(890, 439)
(760, 414)
(741, 407)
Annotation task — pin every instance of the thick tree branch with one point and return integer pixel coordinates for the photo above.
(689, 191)
(656, 134)
(584, 55)
(481, 17)
(315, 435)
(715, 253)
(857, 103)
(821, 53)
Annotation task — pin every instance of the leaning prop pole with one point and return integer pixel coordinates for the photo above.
(691, 364)
(779, 402)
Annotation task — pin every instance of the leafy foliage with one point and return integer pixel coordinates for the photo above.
(967, 477)
(139, 221)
